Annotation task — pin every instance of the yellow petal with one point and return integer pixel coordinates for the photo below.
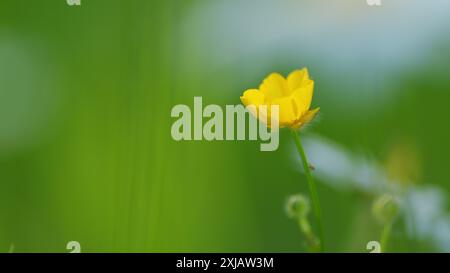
(297, 78)
(288, 111)
(307, 117)
(274, 86)
(252, 97)
(303, 96)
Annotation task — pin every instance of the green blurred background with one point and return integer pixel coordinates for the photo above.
(85, 98)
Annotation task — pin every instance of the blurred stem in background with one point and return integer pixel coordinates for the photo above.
(298, 208)
(385, 209)
(385, 236)
(312, 189)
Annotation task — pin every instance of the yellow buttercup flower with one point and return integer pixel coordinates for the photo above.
(293, 95)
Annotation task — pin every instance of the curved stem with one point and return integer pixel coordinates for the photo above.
(312, 189)
(311, 240)
(385, 236)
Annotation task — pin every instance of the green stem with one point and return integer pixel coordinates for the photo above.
(312, 189)
(385, 236)
(311, 240)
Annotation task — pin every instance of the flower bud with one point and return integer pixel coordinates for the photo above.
(298, 206)
(385, 208)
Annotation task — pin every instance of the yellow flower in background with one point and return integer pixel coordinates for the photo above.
(293, 95)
